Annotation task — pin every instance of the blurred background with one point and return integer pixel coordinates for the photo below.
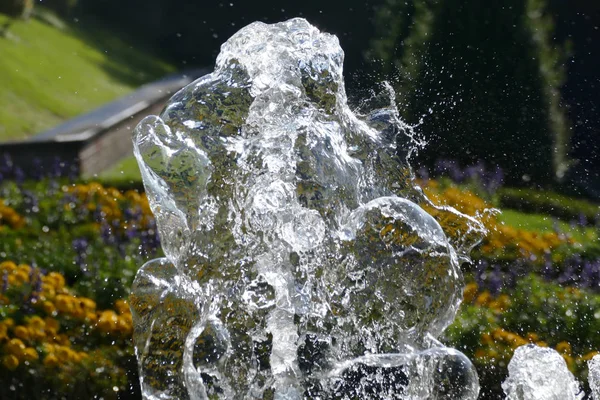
(505, 92)
(514, 83)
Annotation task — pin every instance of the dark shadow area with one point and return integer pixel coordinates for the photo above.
(130, 63)
(190, 34)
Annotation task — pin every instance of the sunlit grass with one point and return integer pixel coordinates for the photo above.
(543, 223)
(125, 170)
(48, 75)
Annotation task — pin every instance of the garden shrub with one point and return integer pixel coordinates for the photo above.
(490, 327)
(557, 205)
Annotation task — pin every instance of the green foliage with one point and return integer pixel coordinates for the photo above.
(481, 80)
(82, 232)
(126, 170)
(551, 58)
(585, 238)
(63, 7)
(555, 313)
(542, 201)
(488, 329)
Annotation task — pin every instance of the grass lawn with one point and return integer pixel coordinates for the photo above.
(125, 170)
(49, 74)
(545, 223)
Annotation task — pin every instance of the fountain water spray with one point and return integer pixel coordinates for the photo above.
(300, 261)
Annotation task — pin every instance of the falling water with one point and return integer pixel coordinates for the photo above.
(300, 259)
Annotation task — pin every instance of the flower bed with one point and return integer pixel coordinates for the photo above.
(69, 252)
(68, 255)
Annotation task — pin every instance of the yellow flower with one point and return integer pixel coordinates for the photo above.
(30, 354)
(51, 360)
(48, 291)
(91, 317)
(57, 279)
(18, 278)
(48, 347)
(77, 311)
(15, 347)
(480, 353)
(533, 337)
(8, 266)
(24, 268)
(470, 292)
(570, 361)
(63, 353)
(51, 325)
(133, 196)
(36, 322)
(486, 339)
(88, 304)
(21, 332)
(483, 299)
(62, 339)
(75, 357)
(589, 356)
(124, 326)
(564, 348)
(107, 321)
(48, 307)
(10, 362)
(9, 216)
(122, 306)
(500, 304)
(64, 303)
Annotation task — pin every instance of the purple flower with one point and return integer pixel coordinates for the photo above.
(5, 282)
(19, 175)
(80, 246)
(423, 173)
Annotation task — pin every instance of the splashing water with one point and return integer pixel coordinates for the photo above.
(594, 376)
(300, 261)
(540, 373)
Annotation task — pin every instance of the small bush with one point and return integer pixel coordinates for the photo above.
(557, 205)
(490, 327)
